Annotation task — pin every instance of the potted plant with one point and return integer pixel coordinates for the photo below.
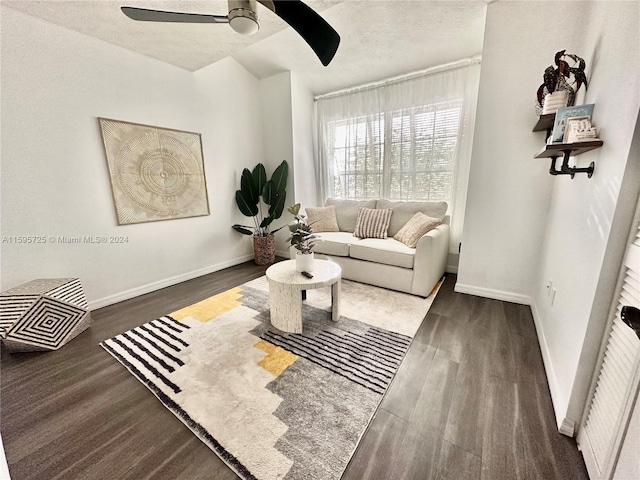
(562, 81)
(302, 239)
(263, 200)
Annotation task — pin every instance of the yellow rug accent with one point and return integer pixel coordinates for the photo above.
(277, 359)
(211, 307)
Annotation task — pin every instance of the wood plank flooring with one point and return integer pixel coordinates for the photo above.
(470, 401)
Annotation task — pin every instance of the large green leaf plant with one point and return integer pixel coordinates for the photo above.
(261, 199)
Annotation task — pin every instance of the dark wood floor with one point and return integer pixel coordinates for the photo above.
(470, 401)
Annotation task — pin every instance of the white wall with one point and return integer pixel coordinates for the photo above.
(4, 468)
(275, 98)
(55, 83)
(287, 116)
(508, 194)
(305, 182)
(523, 226)
(583, 210)
(228, 101)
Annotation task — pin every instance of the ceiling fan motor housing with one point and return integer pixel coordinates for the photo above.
(243, 17)
(314, 29)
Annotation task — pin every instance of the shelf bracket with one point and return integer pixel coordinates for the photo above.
(565, 169)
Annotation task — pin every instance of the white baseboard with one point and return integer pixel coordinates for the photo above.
(494, 294)
(566, 426)
(451, 269)
(167, 282)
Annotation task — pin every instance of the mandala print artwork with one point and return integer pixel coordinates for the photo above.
(156, 173)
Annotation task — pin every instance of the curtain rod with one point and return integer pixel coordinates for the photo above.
(402, 78)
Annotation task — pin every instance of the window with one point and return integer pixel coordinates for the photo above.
(406, 138)
(358, 154)
(405, 154)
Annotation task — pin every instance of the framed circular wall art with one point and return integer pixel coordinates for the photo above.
(156, 173)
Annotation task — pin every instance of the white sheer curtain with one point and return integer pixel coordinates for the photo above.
(405, 139)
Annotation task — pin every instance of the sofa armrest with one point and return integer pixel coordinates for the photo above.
(430, 260)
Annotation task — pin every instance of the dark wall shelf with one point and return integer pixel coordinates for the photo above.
(558, 149)
(564, 150)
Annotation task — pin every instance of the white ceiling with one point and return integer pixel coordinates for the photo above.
(379, 38)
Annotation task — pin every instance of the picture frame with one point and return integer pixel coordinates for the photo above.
(563, 114)
(156, 173)
(574, 124)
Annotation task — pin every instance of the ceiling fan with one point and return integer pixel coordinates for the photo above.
(320, 36)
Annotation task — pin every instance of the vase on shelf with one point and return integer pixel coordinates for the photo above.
(553, 101)
(563, 96)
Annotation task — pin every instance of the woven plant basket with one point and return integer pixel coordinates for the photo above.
(264, 249)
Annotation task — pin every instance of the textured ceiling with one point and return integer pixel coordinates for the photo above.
(190, 46)
(379, 38)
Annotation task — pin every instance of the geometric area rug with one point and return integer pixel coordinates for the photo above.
(270, 404)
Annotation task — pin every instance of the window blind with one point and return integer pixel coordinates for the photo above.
(406, 154)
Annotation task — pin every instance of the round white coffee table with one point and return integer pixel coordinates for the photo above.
(286, 287)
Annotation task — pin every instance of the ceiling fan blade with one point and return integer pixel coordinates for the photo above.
(145, 15)
(320, 36)
(268, 3)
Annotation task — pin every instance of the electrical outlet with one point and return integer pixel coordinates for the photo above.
(553, 296)
(549, 287)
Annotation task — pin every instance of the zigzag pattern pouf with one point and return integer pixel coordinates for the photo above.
(43, 315)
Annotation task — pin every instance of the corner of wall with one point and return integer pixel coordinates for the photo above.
(559, 406)
(277, 131)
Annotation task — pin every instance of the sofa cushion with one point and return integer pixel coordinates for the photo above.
(335, 243)
(415, 228)
(322, 219)
(387, 251)
(403, 211)
(347, 211)
(372, 223)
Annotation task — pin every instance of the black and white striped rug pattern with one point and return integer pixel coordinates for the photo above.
(149, 351)
(370, 360)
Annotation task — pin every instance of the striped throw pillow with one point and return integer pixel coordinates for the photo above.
(373, 222)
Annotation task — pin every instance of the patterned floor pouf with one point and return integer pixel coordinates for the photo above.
(43, 314)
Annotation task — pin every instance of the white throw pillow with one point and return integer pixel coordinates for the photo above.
(415, 228)
(403, 211)
(322, 219)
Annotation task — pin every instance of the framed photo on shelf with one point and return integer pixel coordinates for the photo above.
(564, 113)
(574, 125)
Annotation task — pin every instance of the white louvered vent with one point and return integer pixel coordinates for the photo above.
(617, 369)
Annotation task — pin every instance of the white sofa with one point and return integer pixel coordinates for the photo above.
(387, 262)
